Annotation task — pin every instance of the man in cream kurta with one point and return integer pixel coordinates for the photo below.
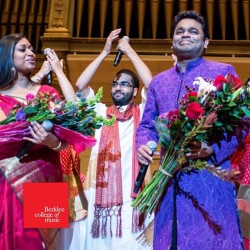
(124, 89)
(128, 240)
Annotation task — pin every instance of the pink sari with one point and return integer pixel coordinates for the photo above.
(45, 167)
(241, 161)
(12, 234)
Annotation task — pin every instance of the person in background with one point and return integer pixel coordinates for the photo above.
(16, 65)
(111, 222)
(241, 161)
(178, 223)
(70, 165)
(73, 237)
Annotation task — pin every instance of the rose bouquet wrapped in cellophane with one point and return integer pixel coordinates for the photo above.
(218, 110)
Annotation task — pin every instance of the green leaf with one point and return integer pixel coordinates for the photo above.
(9, 119)
(226, 88)
(232, 104)
(218, 124)
(237, 93)
(40, 117)
(246, 111)
(31, 109)
(193, 99)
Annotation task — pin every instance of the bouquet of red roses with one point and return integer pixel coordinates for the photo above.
(216, 111)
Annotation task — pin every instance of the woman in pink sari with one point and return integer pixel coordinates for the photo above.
(241, 161)
(17, 61)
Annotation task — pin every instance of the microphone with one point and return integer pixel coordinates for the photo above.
(120, 53)
(47, 125)
(49, 76)
(143, 168)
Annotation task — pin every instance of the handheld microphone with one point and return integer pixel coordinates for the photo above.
(49, 76)
(120, 53)
(143, 168)
(47, 125)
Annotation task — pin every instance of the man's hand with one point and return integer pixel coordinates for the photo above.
(198, 150)
(112, 36)
(144, 155)
(124, 46)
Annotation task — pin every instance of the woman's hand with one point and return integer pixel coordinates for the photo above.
(45, 69)
(56, 64)
(42, 137)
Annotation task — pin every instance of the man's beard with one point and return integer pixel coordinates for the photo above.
(123, 100)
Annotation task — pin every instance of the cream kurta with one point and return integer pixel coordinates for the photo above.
(128, 241)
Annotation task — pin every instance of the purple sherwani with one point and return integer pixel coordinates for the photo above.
(196, 223)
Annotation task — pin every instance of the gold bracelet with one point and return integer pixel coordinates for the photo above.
(59, 145)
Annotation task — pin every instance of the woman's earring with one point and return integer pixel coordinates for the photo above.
(13, 71)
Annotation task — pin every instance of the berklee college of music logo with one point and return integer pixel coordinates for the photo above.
(46, 205)
(50, 214)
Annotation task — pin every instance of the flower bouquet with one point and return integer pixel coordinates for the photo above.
(73, 121)
(217, 111)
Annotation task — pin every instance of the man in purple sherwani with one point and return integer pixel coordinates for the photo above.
(179, 224)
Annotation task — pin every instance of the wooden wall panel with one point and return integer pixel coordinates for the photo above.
(104, 76)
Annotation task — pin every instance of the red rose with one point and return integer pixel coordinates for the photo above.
(234, 82)
(173, 115)
(192, 93)
(194, 111)
(218, 82)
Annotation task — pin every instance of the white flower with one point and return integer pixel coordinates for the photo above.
(204, 88)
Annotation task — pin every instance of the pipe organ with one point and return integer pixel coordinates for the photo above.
(228, 20)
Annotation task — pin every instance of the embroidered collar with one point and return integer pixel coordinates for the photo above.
(191, 64)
